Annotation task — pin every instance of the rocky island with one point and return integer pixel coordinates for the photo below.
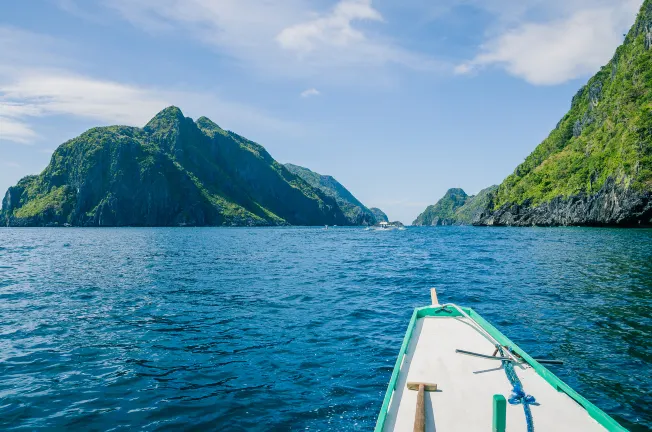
(455, 208)
(595, 167)
(175, 171)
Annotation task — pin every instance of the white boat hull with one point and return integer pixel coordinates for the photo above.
(467, 384)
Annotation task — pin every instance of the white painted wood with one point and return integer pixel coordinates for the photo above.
(433, 296)
(466, 386)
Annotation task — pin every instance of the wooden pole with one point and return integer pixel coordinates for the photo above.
(420, 416)
(420, 413)
(433, 296)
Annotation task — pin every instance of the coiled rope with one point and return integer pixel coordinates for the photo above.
(518, 394)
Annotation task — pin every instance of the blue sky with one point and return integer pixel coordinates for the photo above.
(399, 100)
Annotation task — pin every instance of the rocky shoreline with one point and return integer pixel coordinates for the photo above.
(614, 205)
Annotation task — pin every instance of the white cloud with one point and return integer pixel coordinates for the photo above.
(543, 42)
(30, 90)
(38, 93)
(556, 51)
(43, 92)
(280, 38)
(16, 131)
(332, 41)
(310, 92)
(463, 69)
(333, 29)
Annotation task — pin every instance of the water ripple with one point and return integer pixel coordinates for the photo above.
(295, 328)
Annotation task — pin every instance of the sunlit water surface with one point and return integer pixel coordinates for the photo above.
(297, 328)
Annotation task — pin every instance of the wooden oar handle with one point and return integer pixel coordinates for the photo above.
(420, 416)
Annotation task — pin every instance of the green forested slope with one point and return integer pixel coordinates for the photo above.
(455, 208)
(379, 214)
(474, 206)
(607, 134)
(443, 211)
(174, 171)
(356, 212)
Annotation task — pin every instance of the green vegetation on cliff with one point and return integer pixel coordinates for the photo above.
(474, 206)
(443, 211)
(455, 208)
(379, 215)
(355, 212)
(606, 134)
(174, 171)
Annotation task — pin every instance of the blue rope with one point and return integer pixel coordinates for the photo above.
(518, 394)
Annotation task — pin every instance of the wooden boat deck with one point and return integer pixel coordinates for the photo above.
(466, 385)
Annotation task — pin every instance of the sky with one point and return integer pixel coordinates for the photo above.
(399, 100)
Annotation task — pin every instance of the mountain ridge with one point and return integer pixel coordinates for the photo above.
(173, 171)
(356, 212)
(443, 211)
(455, 208)
(379, 214)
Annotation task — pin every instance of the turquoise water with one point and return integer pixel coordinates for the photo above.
(298, 328)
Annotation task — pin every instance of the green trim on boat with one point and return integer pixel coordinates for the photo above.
(397, 368)
(436, 311)
(500, 413)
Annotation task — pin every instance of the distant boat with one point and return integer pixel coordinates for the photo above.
(385, 226)
(447, 379)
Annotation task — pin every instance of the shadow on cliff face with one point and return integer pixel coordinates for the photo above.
(614, 205)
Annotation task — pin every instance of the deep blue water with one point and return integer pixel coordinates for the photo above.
(297, 328)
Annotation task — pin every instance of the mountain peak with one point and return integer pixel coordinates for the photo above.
(443, 211)
(208, 124)
(455, 192)
(167, 116)
(170, 112)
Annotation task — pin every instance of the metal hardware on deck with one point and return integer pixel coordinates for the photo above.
(482, 355)
(444, 309)
(494, 357)
(552, 362)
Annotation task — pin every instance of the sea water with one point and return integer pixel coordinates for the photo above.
(298, 328)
